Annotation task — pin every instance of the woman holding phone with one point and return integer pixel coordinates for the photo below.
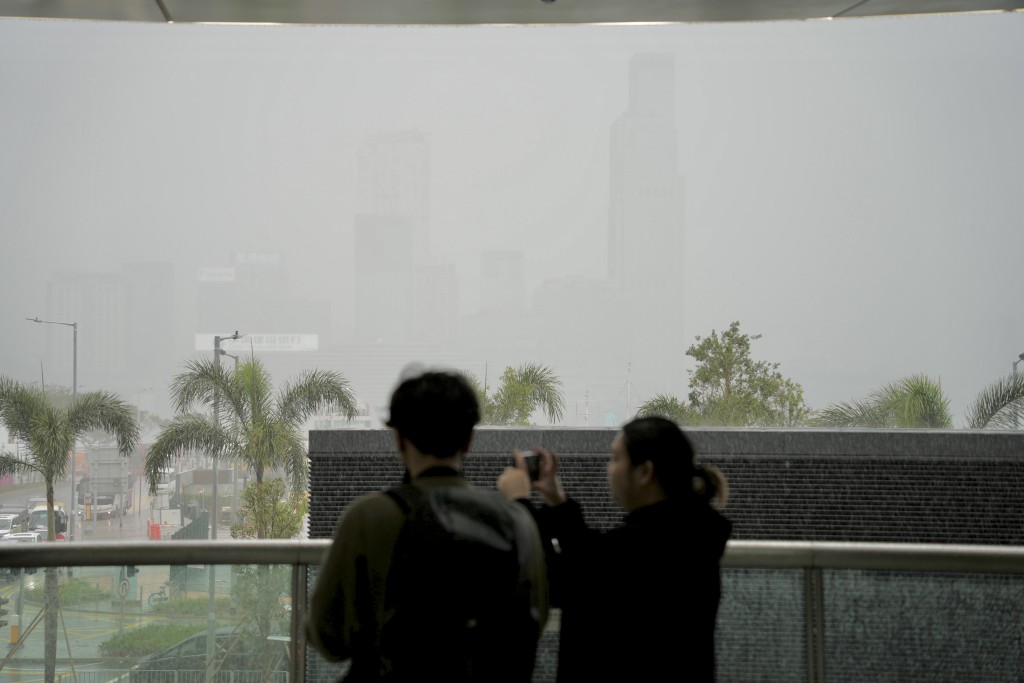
(638, 602)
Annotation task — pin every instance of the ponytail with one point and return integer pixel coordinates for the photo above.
(664, 444)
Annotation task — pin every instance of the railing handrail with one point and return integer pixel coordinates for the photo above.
(738, 554)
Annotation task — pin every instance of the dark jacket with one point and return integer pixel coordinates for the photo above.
(349, 606)
(638, 602)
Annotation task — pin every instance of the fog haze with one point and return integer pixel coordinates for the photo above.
(849, 189)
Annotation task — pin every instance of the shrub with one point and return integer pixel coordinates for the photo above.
(71, 592)
(193, 607)
(147, 639)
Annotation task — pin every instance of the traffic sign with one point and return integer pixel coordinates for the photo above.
(123, 588)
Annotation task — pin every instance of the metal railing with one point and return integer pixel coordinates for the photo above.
(812, 558)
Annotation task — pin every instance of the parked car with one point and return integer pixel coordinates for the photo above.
(8, 525)
(236, 661)
(20, 512)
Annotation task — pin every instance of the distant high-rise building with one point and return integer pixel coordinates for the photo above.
(249, 292)
(646, 222)
(126, 334)
(394, 181)
(384, 268)
(646, 193)
(403, 295)
(503, 278)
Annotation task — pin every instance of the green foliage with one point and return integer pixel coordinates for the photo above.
(520, 392)
(258, 591)
(147, 639)
(728, 387)
(193, 607)
(255, 425)
(1000, 405)
(670, 407)
(48, 428)
(910, 402)
(268, 509)
(72, 592)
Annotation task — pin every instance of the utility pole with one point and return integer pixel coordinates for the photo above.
(211, 619)
(216, 418)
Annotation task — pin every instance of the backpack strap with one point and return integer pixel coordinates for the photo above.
(398, 495)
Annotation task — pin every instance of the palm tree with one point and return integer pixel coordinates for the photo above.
(998, 406)
(250, 422)
(49, 431)
(521, 391)
(910, 402)
(669, 407)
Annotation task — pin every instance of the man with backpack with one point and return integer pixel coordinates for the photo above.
(435, 579)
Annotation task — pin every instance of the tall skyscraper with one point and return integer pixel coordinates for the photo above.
(402, 294)
(394, 181)
(646, 193)
(126, 334)
(646, 220)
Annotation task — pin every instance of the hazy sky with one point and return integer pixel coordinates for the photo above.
(853, 188)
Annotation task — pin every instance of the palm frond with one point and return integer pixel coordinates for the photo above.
(51, 439)
(10, 464)
(852, 414)
(18, 404)
(1000, 405)
(253, 388)
(544, 387)
(914, 402)
(186, 432)
(666, 406)
(312, 392)
(297, 467)
(267, 444)
(202, 382)
(106, 411)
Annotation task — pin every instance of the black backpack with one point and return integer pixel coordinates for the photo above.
(458, 598)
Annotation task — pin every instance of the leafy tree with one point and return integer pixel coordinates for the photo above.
(910, 402)
(521, 391)
(270, 510)
(728, 387)
(268, 507)
(254, 424)
(1000, 405)
(48, 429)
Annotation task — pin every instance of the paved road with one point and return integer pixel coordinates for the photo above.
(132, 526)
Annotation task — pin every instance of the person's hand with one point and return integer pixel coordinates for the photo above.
(514, 482)
(548, 485)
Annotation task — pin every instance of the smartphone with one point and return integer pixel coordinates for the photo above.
(532, 461)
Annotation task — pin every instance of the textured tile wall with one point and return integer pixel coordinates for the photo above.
(908, 486)
(882, 486)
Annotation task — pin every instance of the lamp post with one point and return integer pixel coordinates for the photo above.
(1016, 408)
(217, 353)
(211, 619)
(74, 399)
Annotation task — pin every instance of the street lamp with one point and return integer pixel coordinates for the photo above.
(211, 627)
(217, 353)
(1016, 408)
(74, 399)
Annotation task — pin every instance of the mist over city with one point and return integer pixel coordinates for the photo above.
(590, 198)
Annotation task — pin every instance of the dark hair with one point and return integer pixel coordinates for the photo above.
(436, 411)
(664, 444)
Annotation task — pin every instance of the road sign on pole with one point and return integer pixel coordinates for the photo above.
(123, 587)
